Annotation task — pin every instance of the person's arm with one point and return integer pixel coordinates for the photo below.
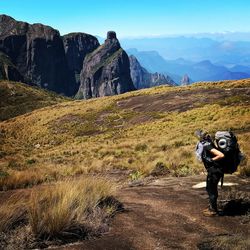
(218, 155)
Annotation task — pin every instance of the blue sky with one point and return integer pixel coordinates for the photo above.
(133, 17)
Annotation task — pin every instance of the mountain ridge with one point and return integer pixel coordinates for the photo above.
(198, 71)
(143, 79)
(54, 62)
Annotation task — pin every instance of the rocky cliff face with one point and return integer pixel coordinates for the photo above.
(105, 71)
(157, 79)
(8, 70)
(75, 63)
(77, 46)
(143, 79)
(37, 52)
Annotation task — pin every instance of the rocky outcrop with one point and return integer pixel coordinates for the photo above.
(8, 71)
(37, 52)
(138, 74)
(185, 80)
(157, 79)
(143, 79)
(75, 63)
(77, 46)
(105, 71)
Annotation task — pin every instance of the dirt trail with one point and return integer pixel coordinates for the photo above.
(167, 214)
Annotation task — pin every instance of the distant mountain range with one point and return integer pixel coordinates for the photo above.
(143, 79)
(77, 65)
(224, 52)
(201, 57)
(176, 69)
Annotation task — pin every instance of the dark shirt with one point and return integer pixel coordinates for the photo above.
(208, 146)
(207, 154)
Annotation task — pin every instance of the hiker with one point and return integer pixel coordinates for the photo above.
(211, 158)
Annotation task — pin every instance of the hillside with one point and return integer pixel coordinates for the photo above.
(138, 131)
(132, 147)
(18, 98)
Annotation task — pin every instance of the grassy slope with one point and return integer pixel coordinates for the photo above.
(18, 98)
(134, 131)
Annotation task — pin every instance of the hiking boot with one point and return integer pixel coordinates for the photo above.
(208, 212)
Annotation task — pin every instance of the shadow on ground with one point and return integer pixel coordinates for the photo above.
(236, 207)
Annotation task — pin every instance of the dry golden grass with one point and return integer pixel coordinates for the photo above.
(96, 135)
(229, 242)
(17, 98)
(63, 210)
(59, 210)
(12, 212)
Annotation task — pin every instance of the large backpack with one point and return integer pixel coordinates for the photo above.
(227, 143)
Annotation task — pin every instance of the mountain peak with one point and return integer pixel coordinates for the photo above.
(185, 80)
(204, 63)
(112, 43)
(111, 35)
(4, 18)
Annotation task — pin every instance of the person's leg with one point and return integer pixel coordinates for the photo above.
(213, 179)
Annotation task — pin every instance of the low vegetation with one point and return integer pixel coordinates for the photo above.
(134, 131)
(65, 211)
(18, 98)
(227, 242)
(147, 133)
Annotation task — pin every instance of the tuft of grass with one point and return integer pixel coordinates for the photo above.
(63, 211)
(141, 147)
(244, 171)
(244, 168)
(135, 175)
(160, 169)
(13, 212)
(226, 242)
(31, 161)
(13, 179)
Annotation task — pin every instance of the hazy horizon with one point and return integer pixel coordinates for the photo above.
(131, 19)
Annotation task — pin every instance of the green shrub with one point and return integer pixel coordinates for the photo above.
(3, 174)
(31, 161)
(136, 175)
(141, 147)
(160, 169)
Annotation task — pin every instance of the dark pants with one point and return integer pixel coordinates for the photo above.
(213, 177)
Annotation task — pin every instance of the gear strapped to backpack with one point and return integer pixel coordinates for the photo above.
(227, 143)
